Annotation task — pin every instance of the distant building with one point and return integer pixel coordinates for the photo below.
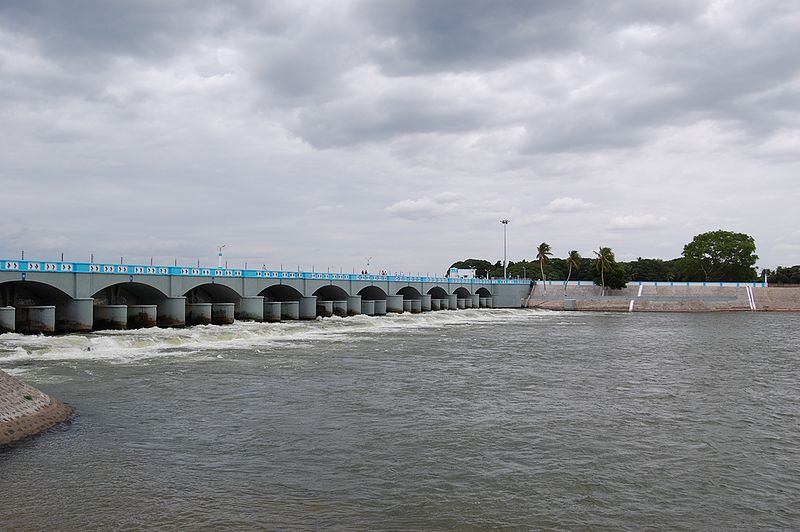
(462, 273)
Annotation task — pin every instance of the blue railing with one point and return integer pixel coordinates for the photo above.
(661, 283)
(137, 269)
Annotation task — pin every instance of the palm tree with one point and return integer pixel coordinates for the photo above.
(573, 261)
(543, 253)
(604, 263)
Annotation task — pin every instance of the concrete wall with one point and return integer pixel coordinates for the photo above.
(649, 298)
(25, 411)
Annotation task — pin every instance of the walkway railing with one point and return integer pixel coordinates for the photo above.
(550, 282)
(137, 269)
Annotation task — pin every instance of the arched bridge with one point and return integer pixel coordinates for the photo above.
(45, 296)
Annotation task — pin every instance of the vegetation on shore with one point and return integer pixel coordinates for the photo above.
(712, 256)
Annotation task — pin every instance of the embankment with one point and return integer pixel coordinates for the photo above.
(648, 298)
(25, 411)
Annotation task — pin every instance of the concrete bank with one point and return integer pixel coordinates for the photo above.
(667, 298)
(25, 411)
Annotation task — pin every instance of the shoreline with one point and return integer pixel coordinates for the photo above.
(26, 411)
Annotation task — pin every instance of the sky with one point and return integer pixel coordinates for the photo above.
(327, 134)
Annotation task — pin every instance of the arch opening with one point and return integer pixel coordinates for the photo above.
(30, 293)
(483, 292)
(129, 294)
(212, 293)
(437, 292)
(409, 292)
(331, 293)
(461, 292)
(280, 292)
(372, 293)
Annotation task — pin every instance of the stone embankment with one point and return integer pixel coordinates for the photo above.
(667, 298)
(25, 411)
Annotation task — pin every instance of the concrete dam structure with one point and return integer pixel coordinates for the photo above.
(664, 296)
(63, 297)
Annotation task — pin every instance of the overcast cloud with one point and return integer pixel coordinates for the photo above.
(324, 133)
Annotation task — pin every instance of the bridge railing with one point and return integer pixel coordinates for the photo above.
(554, 282)
(25, 266)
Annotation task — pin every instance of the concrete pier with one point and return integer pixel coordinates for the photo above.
(436, 304)
(251, 308)
(462, 303)
(7, 319)
(452, 301)
(354, 305)
(223, 313)
(142, 316)
(36, 319)
(308, 308)
(394, 304)
(340, 308)
(489, 302)
(380, 307)
(416, 306)
(406, 305)
(426, 302)
(482, 302)
(290, 310)
(198, 313)
(476, 301)
(75, 315)
(368, 308)
(172, 312)
(325, 309)
(468, 302)
(272, 311)
(110, 317)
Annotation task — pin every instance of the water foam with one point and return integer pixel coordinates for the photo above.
(141, 344)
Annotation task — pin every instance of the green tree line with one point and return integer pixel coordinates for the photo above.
(712, 256)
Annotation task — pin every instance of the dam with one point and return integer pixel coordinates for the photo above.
(64, 297)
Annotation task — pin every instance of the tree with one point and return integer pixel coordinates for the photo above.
(603, 263)
(573, 261)
(543, 253)
(721, 256)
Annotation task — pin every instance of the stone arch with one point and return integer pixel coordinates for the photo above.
(29, 293)
(483, 292)
(281, 292)
(437, 292)
(409, 292)
(129, 294)
(331, 292)
(212, 293)
(461, 292)
(372, 293)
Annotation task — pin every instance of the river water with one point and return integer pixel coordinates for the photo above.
(472, 419)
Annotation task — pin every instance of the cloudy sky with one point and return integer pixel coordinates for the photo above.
(324, 133)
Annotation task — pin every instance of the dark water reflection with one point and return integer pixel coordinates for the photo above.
(515, 420)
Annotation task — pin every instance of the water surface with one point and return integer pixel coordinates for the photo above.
(447, 420)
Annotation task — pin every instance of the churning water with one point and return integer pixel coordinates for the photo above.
(447, 420)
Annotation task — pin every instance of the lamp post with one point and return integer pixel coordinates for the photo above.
(219, 255)
(505, 267)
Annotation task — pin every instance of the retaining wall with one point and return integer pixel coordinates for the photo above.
(25, 411)
(650, 298)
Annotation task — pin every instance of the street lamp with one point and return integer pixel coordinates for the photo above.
(505, 267)
(219, 255)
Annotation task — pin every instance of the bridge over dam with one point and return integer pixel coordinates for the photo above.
(48, 296)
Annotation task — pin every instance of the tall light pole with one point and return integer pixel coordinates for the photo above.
(219, 255)
(505, 267)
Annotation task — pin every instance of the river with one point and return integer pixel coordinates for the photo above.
(473, 419)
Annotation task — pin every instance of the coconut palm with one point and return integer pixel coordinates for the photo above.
(604, 263)
(573, 261)
(543, 253)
